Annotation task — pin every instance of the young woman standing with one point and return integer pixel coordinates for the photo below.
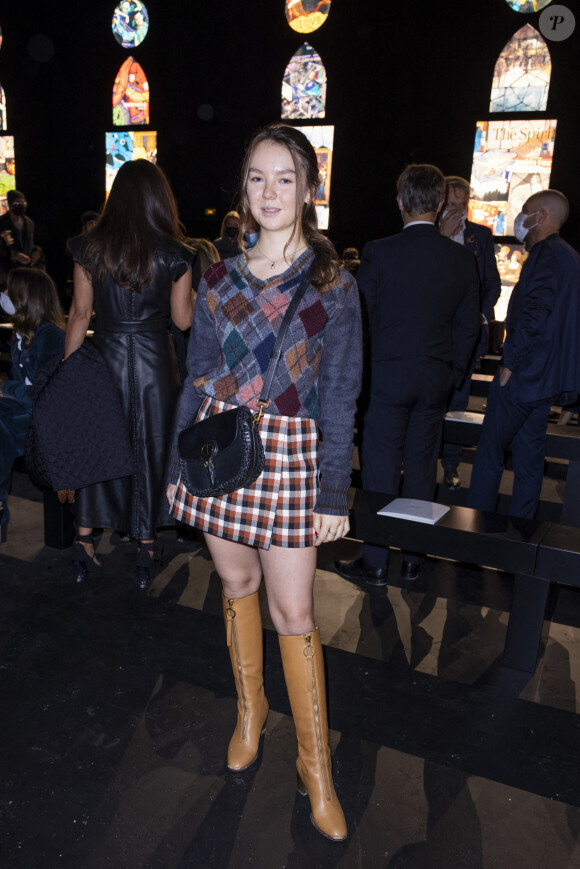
(274, 526)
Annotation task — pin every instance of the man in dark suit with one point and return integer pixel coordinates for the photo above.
(541, 359)
(421, 294)
(479, 239)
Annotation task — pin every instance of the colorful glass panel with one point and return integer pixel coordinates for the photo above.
(305, 16)
(304, 85)
(7, 170)
(511, 160)
(130, 145)
(322, 140)
(130, 23)
(3, 121)
(130, 96)
(521, 78)
(528, 5)
(510, 259)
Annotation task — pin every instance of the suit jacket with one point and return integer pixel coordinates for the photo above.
(542, 346)
(479, 240)
(421, 297)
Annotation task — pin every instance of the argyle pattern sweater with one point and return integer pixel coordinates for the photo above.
(237, 318)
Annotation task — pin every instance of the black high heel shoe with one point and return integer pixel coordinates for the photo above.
(147, 553)
(82, 560)
(4, 517)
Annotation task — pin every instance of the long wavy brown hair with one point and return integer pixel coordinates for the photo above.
(141, 205)
(34, 296)
(326, 267)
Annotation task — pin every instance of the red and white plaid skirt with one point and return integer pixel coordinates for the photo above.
(277, 509)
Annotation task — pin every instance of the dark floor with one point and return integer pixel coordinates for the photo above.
(117, 706)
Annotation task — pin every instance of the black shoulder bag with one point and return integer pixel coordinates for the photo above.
(224, 452)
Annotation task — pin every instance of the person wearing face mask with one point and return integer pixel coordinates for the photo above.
(227, 244)
(17, 246)
(454, 224)
(541, 358)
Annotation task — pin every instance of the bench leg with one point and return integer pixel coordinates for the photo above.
(59, 523)
(570, 514)
(526, 622)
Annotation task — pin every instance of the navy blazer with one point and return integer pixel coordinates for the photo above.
(421, 297)
(542, 345)
(479, 240)
(48, 342)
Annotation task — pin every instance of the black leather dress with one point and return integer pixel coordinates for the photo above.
(131, 331)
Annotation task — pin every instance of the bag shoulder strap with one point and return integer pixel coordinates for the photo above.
(277, 351)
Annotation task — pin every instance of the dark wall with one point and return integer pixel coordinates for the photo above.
(406, 82)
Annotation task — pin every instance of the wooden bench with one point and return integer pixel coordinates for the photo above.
(539, 554)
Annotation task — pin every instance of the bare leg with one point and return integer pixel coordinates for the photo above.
(289, 577)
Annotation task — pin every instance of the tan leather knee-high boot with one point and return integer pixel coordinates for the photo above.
(245, 641)
(304, 673)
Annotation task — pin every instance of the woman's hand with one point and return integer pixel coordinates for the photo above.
(329, 528)
(171, 493)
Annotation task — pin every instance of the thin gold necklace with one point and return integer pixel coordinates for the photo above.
(282, 258)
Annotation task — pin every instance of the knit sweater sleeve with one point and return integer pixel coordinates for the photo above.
(203, 354)
(339, 384)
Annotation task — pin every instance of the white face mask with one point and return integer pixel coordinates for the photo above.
(6, 304)
(520, 231)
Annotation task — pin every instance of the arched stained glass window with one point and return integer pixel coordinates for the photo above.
(521, 78)
(130, 23)
(130, 96)
(304, 85)
(305, 16)
(124, 146)
(3, 122)
(528, 5)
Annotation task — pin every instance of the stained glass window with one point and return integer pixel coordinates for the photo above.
(3, 122)
(130, 23)
(521, 78)
(131, 145)
(511, 160)
(305, 16)
(322, 140)
(130, 95)
(304, 85)
(7, 170)
(528, 5)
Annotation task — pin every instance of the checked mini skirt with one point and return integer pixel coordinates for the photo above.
(277, 509)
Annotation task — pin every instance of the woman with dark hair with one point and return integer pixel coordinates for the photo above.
(134, 269)
(300, 499)
(227, 244)
(31, 302)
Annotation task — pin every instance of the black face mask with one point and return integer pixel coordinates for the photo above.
(232, 231)
(18, 208)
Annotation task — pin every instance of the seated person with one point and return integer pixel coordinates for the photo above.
(17, 247)
(32, 304)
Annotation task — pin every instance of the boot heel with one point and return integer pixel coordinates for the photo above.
(300, 786)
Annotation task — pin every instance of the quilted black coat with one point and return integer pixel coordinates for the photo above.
(77, 434)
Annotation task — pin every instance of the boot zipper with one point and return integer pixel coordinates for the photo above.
(234, 635)
(309, 653)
